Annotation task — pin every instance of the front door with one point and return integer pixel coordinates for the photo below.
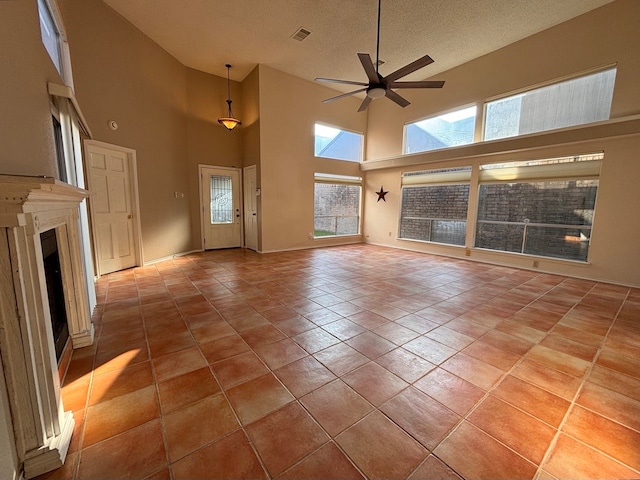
(220, 189)
(110, 186)
(250, 208)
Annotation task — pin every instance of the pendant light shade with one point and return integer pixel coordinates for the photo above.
(229, 122)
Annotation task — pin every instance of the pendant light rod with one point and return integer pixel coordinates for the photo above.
(229, 122)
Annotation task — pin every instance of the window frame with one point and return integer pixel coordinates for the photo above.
(481, 105)
(334, 179)
(540, 171)
(354, 132)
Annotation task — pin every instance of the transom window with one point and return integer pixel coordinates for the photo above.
(572, 102)
(447, 130)
(332, 142)
(567, 103)
(50, 34)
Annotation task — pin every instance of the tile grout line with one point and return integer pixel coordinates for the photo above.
(497, 383)
(238, 277)
(155, 382)
(576, 395)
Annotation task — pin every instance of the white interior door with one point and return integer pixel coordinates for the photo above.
(221, 217)
(110, 186)
(250, 208)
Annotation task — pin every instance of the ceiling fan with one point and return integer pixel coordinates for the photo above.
(379, 86)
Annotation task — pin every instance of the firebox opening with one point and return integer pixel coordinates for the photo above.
(55, 290)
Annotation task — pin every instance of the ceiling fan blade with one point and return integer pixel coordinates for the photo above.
(407, 69)
(391, 95)
(346, 82)
(369, 69)
(365, 103)
(423, 84)
(327, 100)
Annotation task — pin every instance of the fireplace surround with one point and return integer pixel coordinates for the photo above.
(30, 206)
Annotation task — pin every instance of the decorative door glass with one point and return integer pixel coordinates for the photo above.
(221, 199)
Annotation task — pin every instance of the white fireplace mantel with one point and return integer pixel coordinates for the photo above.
(30, 206)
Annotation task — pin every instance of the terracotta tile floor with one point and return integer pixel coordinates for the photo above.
(353, 362)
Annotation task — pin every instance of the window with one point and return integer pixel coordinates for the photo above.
(221, 199)
(448, 130)
(50, 34)
(60, 157)
(339, 144)
(572, 102)
(543, 207)
(336, 205)
(434, 205)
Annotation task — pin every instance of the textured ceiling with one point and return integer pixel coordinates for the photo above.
(206, 34)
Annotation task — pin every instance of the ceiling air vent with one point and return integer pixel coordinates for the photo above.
(301, 34)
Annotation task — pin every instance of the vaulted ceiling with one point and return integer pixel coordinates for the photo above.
(206, 34)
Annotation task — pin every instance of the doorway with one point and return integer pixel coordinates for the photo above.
(112, 181)
(220, 200)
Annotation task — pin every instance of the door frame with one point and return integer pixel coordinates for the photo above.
(135, 201)
(201, 167)
(255, 196)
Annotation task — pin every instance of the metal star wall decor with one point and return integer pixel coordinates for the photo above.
(381, 194)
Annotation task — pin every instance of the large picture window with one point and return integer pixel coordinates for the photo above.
(336, 205)
(447, 130)
(434, 205)
(543, 207)
(577, 101)
(339, 144)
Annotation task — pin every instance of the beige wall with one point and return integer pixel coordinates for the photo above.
(121, 75)
(606, 36)
(26, 134)
(26, 137)
(208, 142)
(289, 108)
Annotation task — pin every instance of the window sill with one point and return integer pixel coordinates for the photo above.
(352, 236)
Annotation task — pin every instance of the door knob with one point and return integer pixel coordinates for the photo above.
(129, 216)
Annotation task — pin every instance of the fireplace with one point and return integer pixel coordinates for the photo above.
(42, 291)
(55, 291)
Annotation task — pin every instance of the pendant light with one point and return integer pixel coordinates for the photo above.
(229, 122)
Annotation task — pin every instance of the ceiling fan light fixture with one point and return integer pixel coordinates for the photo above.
(229, 122)
(376, 92)
(379, 86)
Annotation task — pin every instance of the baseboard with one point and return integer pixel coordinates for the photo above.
(171, 257)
